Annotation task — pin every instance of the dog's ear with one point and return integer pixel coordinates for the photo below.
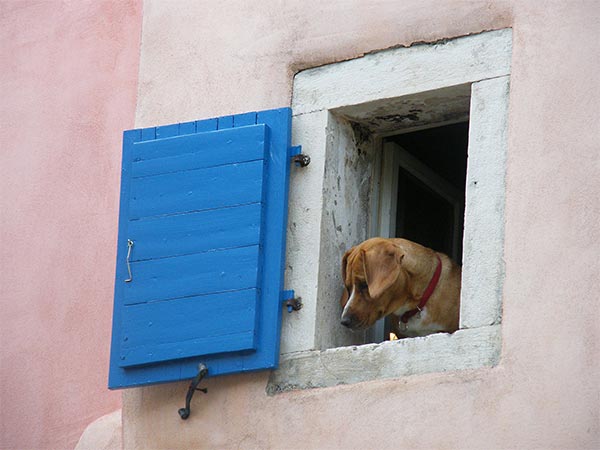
(382, 268)
(345, 263)
(345, 293)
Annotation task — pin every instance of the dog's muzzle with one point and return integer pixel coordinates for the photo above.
(349, 321)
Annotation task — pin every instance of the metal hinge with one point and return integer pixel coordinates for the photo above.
(292, 302)
(298, 157)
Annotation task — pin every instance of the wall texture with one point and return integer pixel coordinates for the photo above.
(207, 59)
(68, 83)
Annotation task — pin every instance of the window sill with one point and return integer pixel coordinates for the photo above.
(466, 349)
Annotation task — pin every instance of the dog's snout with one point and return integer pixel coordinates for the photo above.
(346, 321)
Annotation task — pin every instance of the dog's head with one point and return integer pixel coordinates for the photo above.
(375, 282)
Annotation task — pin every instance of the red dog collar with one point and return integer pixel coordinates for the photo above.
(428, 291)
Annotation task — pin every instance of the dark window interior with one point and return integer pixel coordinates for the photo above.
(442, 149)
(422, 215)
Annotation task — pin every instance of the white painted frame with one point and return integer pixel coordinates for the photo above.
(319, 98)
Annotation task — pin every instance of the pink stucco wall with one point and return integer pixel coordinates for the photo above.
(68, 83)
(236, 56)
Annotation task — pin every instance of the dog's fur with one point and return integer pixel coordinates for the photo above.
(388, 276)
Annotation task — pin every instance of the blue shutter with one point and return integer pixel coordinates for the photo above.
(204, 205)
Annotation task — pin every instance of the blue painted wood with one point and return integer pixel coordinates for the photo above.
(206, 125)
(197, 190)
(187, 233)
(148, 134)
(199, 150)
(268, 337)
(187, 128)
(196, 274)
(242, 120)
(225, 122)
(166, 131)
(269, 278)
(216, 323)
(116, 376)
(279, 122)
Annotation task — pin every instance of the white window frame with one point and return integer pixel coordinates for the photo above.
(323, 99)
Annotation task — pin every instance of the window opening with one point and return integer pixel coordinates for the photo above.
(344, 114)
(424, 191)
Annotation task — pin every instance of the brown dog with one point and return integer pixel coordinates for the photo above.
(392, 277)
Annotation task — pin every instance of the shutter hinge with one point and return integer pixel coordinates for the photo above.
(292, 302)
(299, 158)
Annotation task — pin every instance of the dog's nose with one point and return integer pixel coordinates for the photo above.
(346, 321)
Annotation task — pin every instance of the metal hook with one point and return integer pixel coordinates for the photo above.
(298, 157)
(301, 160)
(184, 413)
(129, 245)
(292, 302)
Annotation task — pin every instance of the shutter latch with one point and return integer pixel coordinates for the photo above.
(292, 302)
(129, 246)
(184, 413)
(299, 158)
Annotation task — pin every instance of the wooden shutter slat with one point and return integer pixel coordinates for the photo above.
(186, 233)
(208, 149)
(188, 275)
(197, 190)
(161, 331)
(224, 122)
